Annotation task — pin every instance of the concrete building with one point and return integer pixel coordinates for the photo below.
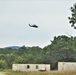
(66, 65)
(31, 67)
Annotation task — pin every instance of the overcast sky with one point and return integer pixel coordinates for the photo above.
(50, 15)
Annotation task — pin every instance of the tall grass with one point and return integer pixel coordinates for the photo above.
(41, 73)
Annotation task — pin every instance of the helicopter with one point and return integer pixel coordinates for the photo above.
(33, 25)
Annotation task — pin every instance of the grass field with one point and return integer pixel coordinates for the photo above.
(41, 73)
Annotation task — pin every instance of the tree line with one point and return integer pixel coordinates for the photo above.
(61, 49)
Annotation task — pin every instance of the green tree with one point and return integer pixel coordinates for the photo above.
(10, 59)
(3, 64)
(2, 56)
(21, 50)
(20, 60)
(62, 48)
(72, 19)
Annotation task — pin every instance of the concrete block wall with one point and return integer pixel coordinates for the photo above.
(66, 66)
(31, 67)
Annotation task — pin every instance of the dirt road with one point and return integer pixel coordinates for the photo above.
(2, 73)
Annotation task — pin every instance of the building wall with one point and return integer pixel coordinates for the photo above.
(66, 65)
(31, 67)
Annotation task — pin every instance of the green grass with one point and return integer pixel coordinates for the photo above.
(41, 73)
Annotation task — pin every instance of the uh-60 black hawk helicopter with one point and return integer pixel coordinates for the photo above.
(33, 25)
